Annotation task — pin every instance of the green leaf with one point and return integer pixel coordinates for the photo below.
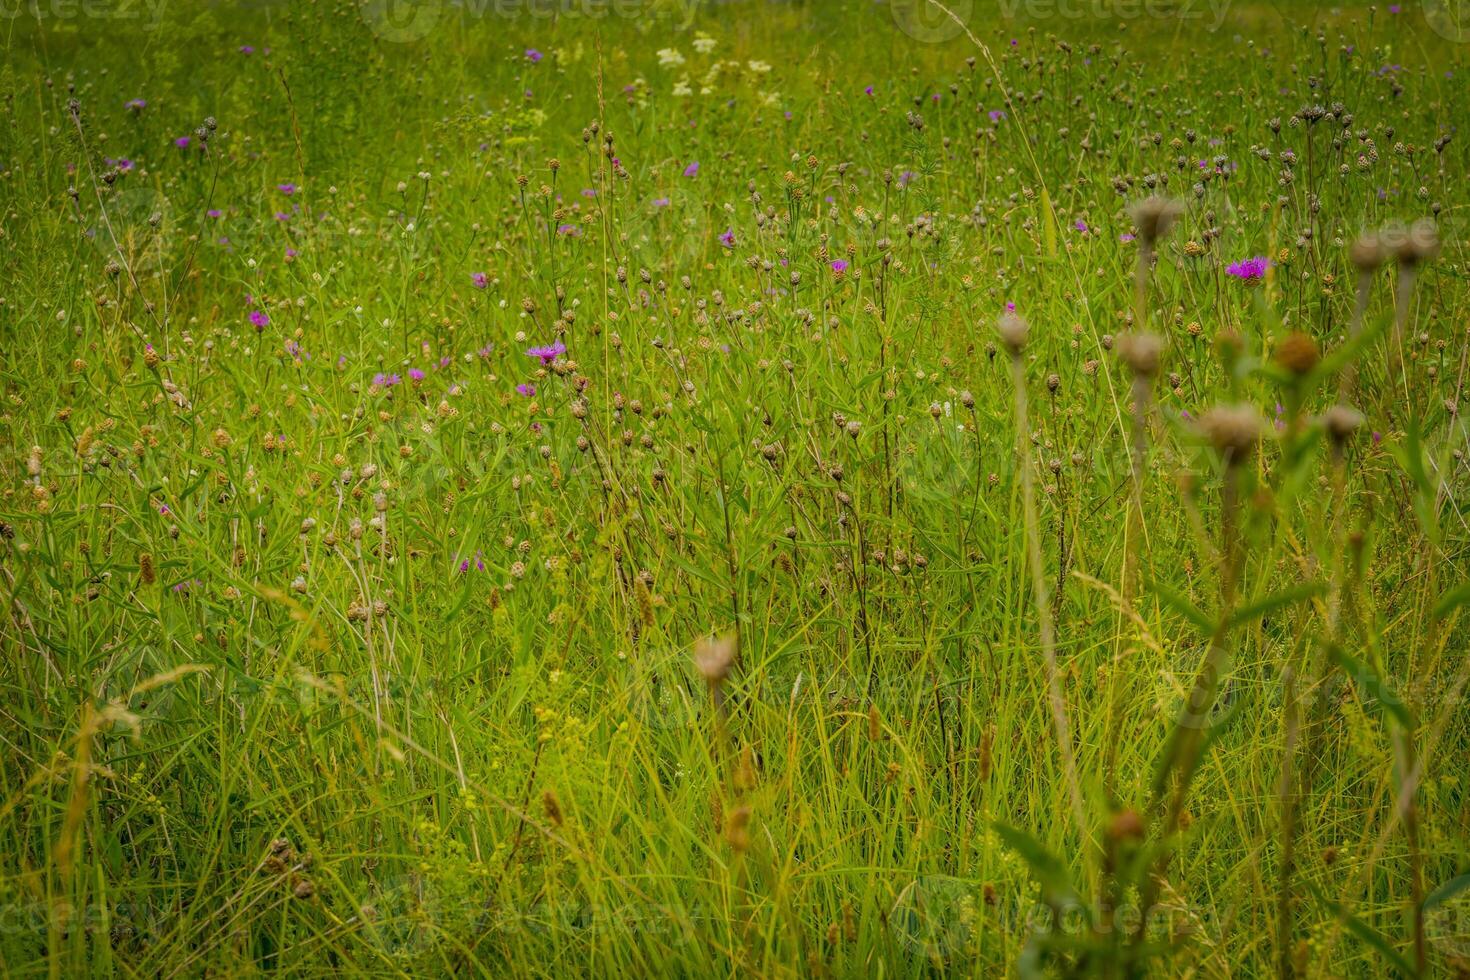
(1452, 600)
(1373, 685)
(1050, 873)
(1270, 603)
(1363, 931)
(1178, 602)
(1446, 892)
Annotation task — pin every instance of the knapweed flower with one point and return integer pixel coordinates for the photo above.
(569, 231)
(214, 212)
(532, 55)
(259, 319)
(839, 266)
(727, 238)
(247, 49)
(1249, 271)
(287, 189)
(527, 390)
(386, 380)
(480, 279)
(182, 142)
(868, 90)
(415, 374)
(548, 352)
(692, 169)
(660, 202)
(137, 105)
(478, 561)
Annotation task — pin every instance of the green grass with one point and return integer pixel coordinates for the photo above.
(307, 672)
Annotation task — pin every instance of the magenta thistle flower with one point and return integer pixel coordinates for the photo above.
(533, 56)
(727, 238)
(259, 319)
(287, 189)
(548, 352)
(182, 142)
(525, 389)
(1249, 271)
(692, 169)
(480, 279)
(839, 266)
(137, 105)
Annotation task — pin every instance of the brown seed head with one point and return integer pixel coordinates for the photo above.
(1126, 825)
(1233, 430)
(1140, 351)
(1012, 329)
(1154, 216)
(1340, 422)
(1298, 354)
(1368, 252)
(714, 657)
(1421, 244)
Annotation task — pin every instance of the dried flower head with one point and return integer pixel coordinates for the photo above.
(1420, 244)
(1298, 353)
(1154, 216)
(1233, 430)
(1140, 351)
(1012, 329)
(713, 657)
(1340, 423)
(1368, 252)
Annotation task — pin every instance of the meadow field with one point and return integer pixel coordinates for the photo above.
(707, 489)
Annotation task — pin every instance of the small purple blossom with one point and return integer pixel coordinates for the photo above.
(415, 374)
(386, 380)
(692, 169)
(1249, 271)
(839, 266)
(727, 238)
(182, 142)
(259, 319)
(136, 105)
(287, 189)
(660, 202)
(533, 56)
(480, 280)
(548, 352)
(528, 390)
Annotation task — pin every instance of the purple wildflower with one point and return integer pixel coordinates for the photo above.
(259, 319)
(533, 56)
(1249, 271)
(525, 389)
(548, 352)
(839, 266)
(480, 279)
(692, 169)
